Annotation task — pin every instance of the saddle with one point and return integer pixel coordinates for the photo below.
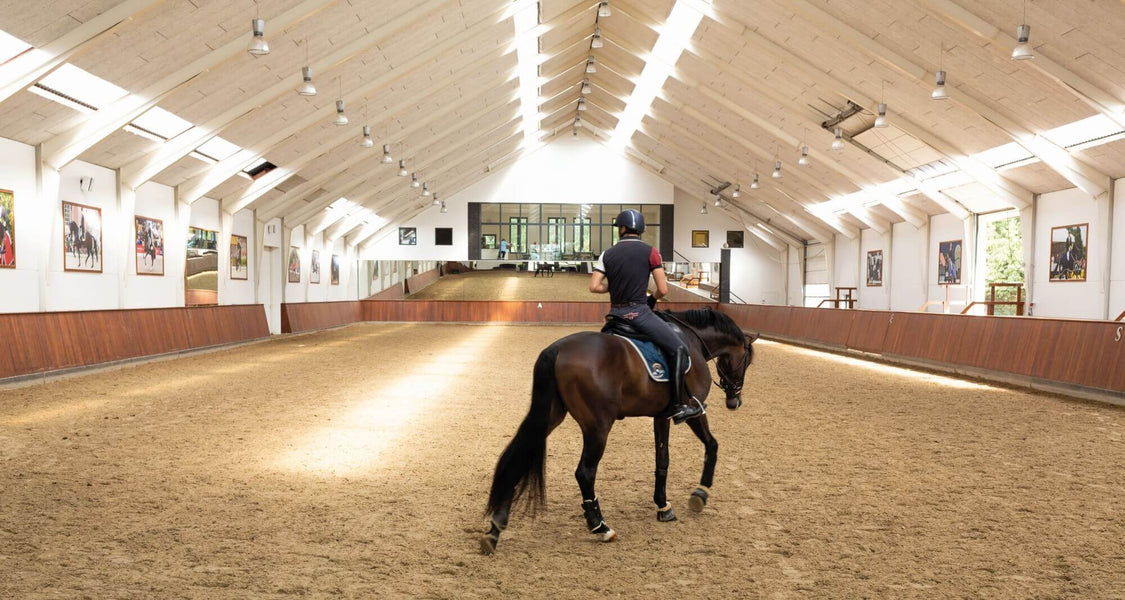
(654, 360)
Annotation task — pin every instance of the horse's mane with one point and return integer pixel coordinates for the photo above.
(705, 317)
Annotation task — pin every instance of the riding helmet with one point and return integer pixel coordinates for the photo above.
(631, 220)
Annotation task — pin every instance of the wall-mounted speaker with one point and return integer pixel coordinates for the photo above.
(86, 184)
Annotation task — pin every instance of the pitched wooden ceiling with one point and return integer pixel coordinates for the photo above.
(439, 80)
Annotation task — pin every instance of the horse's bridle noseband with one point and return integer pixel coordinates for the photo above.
(724, 383)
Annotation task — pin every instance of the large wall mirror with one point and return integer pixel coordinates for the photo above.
(201, 275)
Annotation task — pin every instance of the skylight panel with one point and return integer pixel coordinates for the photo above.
(1002, 156)
(527, 55)
(70, 86)
(218, 149)
(1083, 131)
(162, 123)
(11, 46)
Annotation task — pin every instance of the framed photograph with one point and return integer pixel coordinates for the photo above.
(443, 236)
(314, 267)
(875, 268)
(239, 257)
(201, 269)
(407, 236)
(7, 230)
(1069, 245)
(82, 238)
(949, 263)
(335, 274)
(150, 245)
(294, 264)
(700, 238)
(735, 239)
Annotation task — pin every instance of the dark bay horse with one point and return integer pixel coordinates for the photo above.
(598, 378)
(79, 242)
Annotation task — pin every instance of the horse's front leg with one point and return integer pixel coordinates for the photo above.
(659, 496)
(698, 498)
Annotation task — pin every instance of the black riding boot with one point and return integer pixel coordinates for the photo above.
(678, 410)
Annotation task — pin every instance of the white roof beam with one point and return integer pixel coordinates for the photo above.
(21, 72)
(1058, 159)
(146, 167)
(68, 145)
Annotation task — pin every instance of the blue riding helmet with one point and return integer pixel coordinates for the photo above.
(631, 220)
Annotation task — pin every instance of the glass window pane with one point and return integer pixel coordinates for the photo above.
(551, 210)
(651, 235)
(531, 211)
(490, 213)
(569, 211)
(651, 213)
(490, 237)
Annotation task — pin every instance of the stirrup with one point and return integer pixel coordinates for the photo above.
(687, 411)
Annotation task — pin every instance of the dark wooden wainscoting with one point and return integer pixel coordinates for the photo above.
(1086, 354)
(299, 317)
(42, 342)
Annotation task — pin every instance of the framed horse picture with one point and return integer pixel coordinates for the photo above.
(239, 257)
(149, 245)
(294, 264)
(314, 267)
(875, 268)
(335, 269)
(1069, 248)
(949, 263)
(82, 238)
(7, 229)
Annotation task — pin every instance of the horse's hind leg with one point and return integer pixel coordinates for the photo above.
(593, 446)
(698, 497)
(659, 496)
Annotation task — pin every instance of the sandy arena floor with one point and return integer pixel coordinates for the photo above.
(510, 285)
(355, 463)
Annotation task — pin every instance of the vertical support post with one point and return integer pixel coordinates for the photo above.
(724, 276)
(47, 181)
(126, 208)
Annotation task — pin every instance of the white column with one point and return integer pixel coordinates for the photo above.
(126, 209)
(47, 181)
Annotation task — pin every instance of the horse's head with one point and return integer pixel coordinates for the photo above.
(732, 364)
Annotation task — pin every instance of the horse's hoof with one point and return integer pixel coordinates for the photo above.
(487, 544)
(608, 536)
(666, 515)
(697, 500)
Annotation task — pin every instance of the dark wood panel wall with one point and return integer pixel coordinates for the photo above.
(300, 317)
(1088, 354)
(42, 342)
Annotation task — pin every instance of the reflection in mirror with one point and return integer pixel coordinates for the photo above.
(201, 274)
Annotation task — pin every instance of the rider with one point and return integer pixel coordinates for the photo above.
(623, 272)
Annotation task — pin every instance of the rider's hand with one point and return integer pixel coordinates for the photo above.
(651, 301)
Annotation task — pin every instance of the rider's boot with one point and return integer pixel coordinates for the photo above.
(678, 410)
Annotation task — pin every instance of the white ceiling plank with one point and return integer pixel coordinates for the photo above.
(21, 72)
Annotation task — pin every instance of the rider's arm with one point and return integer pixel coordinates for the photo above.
(661, 283)
(598, 283)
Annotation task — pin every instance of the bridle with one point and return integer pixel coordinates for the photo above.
(725, 382)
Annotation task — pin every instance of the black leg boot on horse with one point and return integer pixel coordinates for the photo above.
(679, 410)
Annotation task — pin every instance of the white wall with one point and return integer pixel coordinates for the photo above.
(908, 267)
(874, 298)
(457, 218)
(238, 291)
(155, 201)
(69, 290)
(1117, 275)
(1083, 300)
(17, 174)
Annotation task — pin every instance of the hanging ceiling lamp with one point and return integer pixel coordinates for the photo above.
(426, 189)
(258, 45)
(596, 41)
(306, 88)
(603, 9)
(387, 154)
(804, 160)
(341, 118)
(443, 208)
(703, 209)
(414, 180)
(402, 172)
(776, 170)
(881, 119)
(591, 65)
(367, 141)
(436, 202)
(754, 184)
(718, 201)
(737, 193)
(1023, 51)
(838, 142)
(585, 86)
(578, 121)
(939, 92)
(581, 105)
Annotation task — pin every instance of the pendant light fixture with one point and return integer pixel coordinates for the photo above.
(776, 166)
(426, 189)
(804, 160)
(737, 191)
(703, 209)
(402, 172)
(367, 141)
(718, 201)
(881, 117)
(581, 105)
(1023, 50)
(585, 86)
(591, 65)
(414, 180)
(596, 41)
(838, 142)
(939, 92)
(258, 44)
(443, 208)
(436, 202)
(604, 10)
(387, 154)
(306, 88)
(341, 118)
(754, 184)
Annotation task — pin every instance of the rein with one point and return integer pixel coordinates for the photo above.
(724, 382)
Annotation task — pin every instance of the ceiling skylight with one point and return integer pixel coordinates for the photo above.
(674, 37)
(1002, 156)
(217, 149)
(527, 54)
(11, 46)
(73, 87)
(162, 123)
(1083, 132)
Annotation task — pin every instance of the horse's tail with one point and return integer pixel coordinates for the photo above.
(519, 472)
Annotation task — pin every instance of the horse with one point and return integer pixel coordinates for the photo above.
(597, 379)
(148, 243)
(78, 242)
(236, 255)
